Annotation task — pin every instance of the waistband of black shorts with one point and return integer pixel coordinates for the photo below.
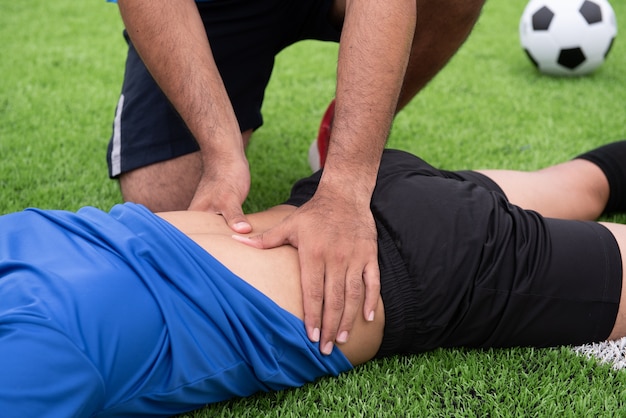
(397, 293)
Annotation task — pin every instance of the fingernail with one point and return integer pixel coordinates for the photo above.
(342, 337)
(316, 335)
(371, 317)
(328, 348)
(241, 226)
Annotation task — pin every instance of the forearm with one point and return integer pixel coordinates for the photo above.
(171, 40)
(373, 55)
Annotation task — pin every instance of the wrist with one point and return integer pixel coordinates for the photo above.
(353, 183)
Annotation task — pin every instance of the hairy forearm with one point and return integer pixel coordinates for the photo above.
(373, 54)
(170, 38)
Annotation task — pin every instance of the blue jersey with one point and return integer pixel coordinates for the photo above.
(120, 314)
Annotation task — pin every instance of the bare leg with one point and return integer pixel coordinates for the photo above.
(442, 27)
(164, 186)
(168, 185)
(576, 189)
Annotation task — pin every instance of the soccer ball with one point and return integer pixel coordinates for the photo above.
(567, 37)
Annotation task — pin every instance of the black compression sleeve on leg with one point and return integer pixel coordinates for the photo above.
(611, 159)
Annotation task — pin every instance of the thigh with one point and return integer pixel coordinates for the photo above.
(619, 232)
(146, 129)
(553, 282)
(245, 37)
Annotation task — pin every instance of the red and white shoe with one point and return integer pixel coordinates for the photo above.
(319, 147)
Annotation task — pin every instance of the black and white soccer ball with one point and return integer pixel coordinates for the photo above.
(568, 37)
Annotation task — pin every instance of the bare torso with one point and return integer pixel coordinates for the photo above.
(275, 272)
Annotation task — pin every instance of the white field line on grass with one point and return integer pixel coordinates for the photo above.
(611, 352)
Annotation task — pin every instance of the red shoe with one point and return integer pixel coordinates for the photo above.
(319, 147)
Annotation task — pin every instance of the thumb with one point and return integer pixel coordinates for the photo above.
(272, 238)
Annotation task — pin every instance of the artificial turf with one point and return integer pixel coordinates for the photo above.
(61, 64)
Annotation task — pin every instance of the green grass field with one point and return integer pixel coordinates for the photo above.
(61, 64)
